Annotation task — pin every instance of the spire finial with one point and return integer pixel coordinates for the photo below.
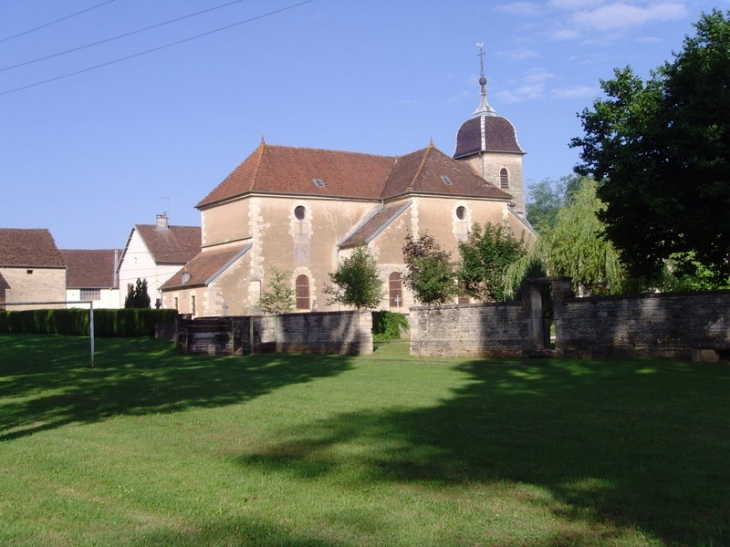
(483, 109)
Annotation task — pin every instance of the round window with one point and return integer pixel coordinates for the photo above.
(299, 211)
(461, 212)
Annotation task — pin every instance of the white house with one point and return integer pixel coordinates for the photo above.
(154, 252)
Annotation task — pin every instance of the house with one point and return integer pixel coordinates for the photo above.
(32, 269)
(92, 275)
(154, 252)
(301, 210)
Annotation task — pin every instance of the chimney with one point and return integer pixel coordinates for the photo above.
(161, 222)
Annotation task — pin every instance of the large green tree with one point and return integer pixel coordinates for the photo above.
(574, 247)
(547, 197)
(356, 281)
(485, 256)
(661, 149)
(429, 270)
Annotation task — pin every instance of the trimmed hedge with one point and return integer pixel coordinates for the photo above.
(75, 321)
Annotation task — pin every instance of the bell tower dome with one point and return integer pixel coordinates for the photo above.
(488, 143)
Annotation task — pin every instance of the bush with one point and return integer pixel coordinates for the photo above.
(388, 325)
(75, 321)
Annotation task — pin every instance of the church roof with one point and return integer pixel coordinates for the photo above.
(331, 173)
(375, 224)
(486, 133)
(430, 171)
(292, 170)
(205, 267)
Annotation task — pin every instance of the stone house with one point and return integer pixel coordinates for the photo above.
(32, 269)
(92, 275)
(301, 210)
(155, 252)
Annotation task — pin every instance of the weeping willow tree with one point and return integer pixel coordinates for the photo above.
(574, 247)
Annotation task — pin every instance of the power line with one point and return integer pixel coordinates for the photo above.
(153, 50)
(54, 22)
(119, 36)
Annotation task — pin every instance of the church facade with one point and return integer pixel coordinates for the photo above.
(301, 210)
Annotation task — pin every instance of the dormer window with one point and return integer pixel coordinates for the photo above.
(447, 180)
(319, 183)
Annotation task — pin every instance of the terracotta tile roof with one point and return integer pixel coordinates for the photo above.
(29, 247)
(431, 171)
(499, 136)
(171, 245)
(90, 269)
(375, 224)
(204, 267)
(291, 170)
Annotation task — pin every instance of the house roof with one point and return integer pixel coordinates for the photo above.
(375, 224)
(90, 269)
(331, 173)
(29, 248)
(172, 244)
(205, 267)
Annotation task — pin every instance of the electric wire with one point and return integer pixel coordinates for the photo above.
(54, 22)
(155, 49)
(118, 37)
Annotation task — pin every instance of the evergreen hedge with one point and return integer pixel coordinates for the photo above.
(75, 321)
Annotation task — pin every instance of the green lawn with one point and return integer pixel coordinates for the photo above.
(151, 448)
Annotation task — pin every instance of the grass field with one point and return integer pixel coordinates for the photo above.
(150, 448)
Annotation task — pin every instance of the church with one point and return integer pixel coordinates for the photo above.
(301, 210)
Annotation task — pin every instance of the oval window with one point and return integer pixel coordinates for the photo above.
(461, 212)
(299, 212)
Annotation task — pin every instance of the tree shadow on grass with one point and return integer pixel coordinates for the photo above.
(628, 445)
(47, 381)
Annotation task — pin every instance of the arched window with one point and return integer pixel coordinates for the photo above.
(302, 290)
(300, 212)
(395, 290)
(503, 178)
(461, 212)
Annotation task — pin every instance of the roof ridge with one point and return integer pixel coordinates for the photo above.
(421, 167)
(261, 149)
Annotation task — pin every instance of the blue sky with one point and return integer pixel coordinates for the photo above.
(89, 155)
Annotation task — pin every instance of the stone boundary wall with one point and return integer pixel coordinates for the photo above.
(686, 326)
(473, 330)
(658, 325)
(346, 332)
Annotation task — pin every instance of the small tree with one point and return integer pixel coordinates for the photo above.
(429, 271)
(280, 296)
(356, 281)
(138, 297)
(485, 257)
